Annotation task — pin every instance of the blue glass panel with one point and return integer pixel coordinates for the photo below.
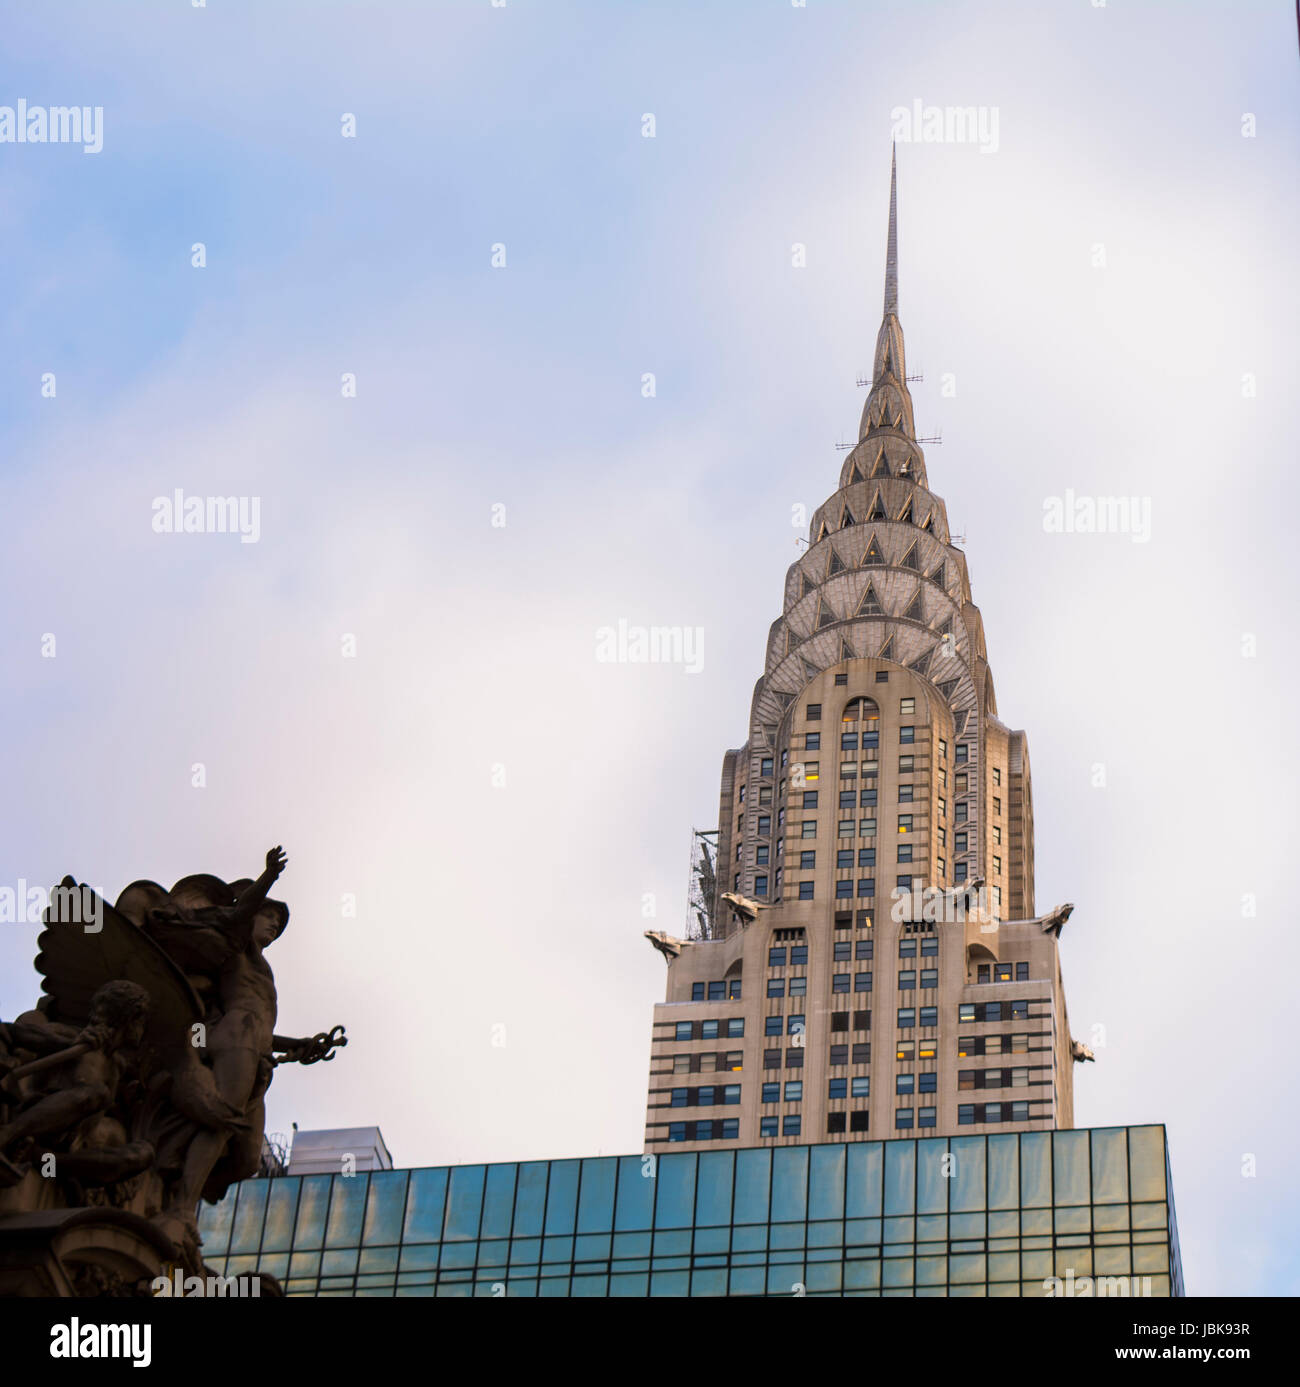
(1072, 1167)
(384, 1207)
(900, 1177)
(713, 1195)
(347, 1209)
(747, 1280)
(464, 1202)
(498, 1201)
(530, 1198)
(249, 1212)
(669, 1283)
(709, 1282)
(968, 1172)
(675, 1193)
(1004, 1170)
(753, 1183)
(932, 1182)
(215, 1222)
(1146, 1154)
(636, 1196)
(562, 1196)
(424, 1205)
(1035, 1170)
(309, 1227)
(789, 1183)
(1109, 1166)
(826, 1182)
(864, 1180)
(628, 1284)
(281, 1207)
(596, 1197)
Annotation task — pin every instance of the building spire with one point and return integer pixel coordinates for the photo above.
(889, 406)
(891, 250)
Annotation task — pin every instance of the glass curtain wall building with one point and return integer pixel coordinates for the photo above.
(996, 1214)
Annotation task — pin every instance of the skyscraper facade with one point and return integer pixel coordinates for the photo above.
(870, 962)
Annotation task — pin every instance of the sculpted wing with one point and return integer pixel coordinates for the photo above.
(74, 961)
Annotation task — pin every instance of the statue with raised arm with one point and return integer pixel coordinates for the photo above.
(144, 1067)
(218, 934)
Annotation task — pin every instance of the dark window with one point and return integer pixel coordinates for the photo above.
(812, 741)
(839, 1088)
(842, 950)
(771, 1059)
(858, 1121)
(790, 1126)
(882, 676)
(844, 857)
(907, 734)
(839, 982)
(805, 890)
(774, 1025)
(835, 1121)
(799, 954)
(866, 857)
(862, 1053)
(839, 1054)
(776, 958)
(839, 1021)
(808, 860)
(810, 799)
(862, 982)
(794, 1059)
(927, 1083)
(813, 712)
(844, 889)
(841, 680)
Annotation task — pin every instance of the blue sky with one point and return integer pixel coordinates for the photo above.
(483, 905)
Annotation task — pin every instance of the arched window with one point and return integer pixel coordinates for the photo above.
(861, 710)
(860, 729)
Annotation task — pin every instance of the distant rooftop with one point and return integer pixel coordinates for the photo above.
(324, 1152)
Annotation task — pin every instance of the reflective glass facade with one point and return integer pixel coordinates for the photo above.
(971, 1216)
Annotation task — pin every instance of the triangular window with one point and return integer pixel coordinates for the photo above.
(922, 665)
(836, 564)
(887, 650)
(870, 604)
(878, 509)
(911, 561)
(881, 469)
(825, 616)
(846, 518)
(874, 554)
(915, 608)
(940, 575)
(906, 517)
